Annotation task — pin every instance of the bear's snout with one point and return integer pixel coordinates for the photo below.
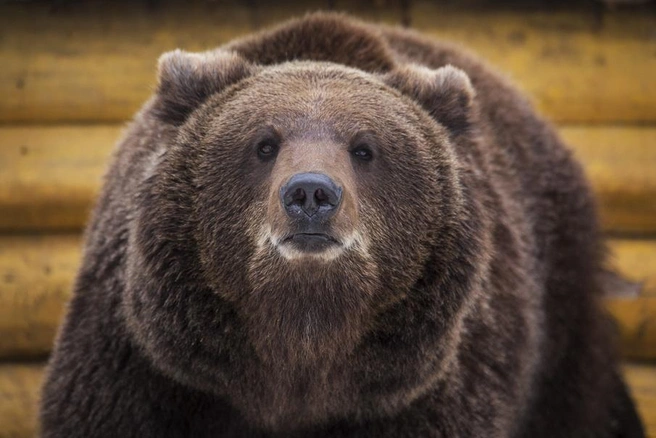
(310, 196)
(312, 207)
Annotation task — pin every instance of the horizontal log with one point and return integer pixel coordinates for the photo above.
(96, 61)
(642, 384)
(20, 387)
(636, 318)
(621, 164)
(576, 64)
(36, 276)
(49, 175)
(635, 259)
(36, 273)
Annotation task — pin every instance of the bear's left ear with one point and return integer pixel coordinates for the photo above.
(186, 80)
(446, 93)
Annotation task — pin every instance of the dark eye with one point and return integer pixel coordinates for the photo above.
(362, 153)
(267, 149)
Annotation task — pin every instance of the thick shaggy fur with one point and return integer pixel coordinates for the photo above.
(463, 303)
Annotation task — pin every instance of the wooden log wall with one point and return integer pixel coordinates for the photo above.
(73, 73)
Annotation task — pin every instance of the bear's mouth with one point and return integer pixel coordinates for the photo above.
(311, 242)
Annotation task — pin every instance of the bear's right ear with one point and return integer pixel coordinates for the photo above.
(186, 80)
(446, 93)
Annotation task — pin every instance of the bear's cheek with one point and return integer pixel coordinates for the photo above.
(229, 212)
(398, 213)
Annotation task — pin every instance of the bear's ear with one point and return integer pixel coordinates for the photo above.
(186, 80)
(446, 93)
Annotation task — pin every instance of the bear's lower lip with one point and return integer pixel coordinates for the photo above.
(311, 242)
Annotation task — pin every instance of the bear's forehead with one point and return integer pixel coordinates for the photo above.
(309, 70)
(315, 96)
(303, 83)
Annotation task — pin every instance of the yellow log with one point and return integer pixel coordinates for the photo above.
(20, 387)
(96, 62)
(636, 260)
(49, 175)
(636, 318)
(36, 273)
(642, 383)
(621, 164)
(578, 66)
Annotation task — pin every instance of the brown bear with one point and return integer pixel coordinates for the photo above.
(333, 228)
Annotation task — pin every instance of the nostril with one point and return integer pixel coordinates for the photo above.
(321, 197)
(297, 197)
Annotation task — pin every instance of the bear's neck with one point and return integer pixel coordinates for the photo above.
(304, 321)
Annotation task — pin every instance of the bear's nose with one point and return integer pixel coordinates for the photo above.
(310, 194)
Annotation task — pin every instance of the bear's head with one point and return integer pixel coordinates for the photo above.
(295, 208)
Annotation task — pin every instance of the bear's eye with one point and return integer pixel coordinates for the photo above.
(267, 149)
(362, 153)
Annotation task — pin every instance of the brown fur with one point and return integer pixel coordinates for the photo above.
(462, 302)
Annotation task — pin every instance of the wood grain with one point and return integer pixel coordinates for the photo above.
(642, 383)
(621, 164)
(578, 65)
(36, 276)
(636, 317)
(50, 175)
(96, 61)
(20, 385)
